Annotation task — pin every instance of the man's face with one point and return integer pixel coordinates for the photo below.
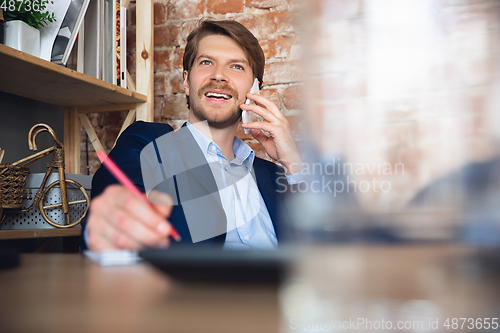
(218, 82)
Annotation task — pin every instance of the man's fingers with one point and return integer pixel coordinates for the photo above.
(139, 232)
(258, 135)
(261, 125)
(265, 104)
(135, 208)
(120, 220)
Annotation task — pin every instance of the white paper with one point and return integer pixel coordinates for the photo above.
(248, 116)
(113, 257)
(49, 32)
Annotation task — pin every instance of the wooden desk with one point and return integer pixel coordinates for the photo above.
(68, 293)
(39, 233)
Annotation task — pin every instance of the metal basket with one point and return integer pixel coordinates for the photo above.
(12, 185)
(33, 219)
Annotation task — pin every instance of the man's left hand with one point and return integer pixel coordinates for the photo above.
(280, 145)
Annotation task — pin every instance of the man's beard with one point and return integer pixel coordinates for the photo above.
(229, 119)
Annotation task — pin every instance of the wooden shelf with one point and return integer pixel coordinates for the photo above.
(39, 233)
(34, 78)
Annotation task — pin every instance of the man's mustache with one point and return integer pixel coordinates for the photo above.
(218, 86)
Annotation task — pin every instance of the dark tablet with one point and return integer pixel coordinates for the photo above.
(206, 264)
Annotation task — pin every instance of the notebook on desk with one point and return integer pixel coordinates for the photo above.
(207, 264)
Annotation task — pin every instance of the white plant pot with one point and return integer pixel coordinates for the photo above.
(22, 37)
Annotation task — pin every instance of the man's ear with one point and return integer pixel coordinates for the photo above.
(186, 83)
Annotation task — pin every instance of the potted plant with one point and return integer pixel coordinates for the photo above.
(24, 18)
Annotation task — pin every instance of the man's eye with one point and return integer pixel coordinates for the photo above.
(239, 67)
(206, 62)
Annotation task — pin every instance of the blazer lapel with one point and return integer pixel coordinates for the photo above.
(271, 198)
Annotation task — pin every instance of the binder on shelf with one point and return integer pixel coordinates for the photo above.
(93, 39)
(117, 43)
(123, 47)
(109, 31)
(49, 32)
(68, 32)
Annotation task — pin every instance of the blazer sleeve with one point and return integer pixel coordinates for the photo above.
(126, 154)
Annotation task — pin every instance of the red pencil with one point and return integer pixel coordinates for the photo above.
(125, 181)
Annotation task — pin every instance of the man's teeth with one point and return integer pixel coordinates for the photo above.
(216, 95)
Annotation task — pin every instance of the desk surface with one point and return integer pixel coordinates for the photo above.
(68, 293)
(39, 233)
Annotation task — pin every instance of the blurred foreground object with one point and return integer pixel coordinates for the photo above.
(398, 289)
(402, 115)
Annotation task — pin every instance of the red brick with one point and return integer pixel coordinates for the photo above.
(295, 124)
(267, 25)
(160, 13)
(279, 47)
(252, 23)
(281, 72)
(107, 118)
(283, 21)
(176, 82)
(130, 39)
(293, 99)
(186, 29)
(94, 163)
(224, 6)
(162, 61)
(240, 133)
(178, 54)
(182, 9)
(166, 36)
(284, 45)
(176, 107)
(131, 65)
(272, 94)
(259, 151)
(110, 136)
(159, 85)
(265, 3)
(269, 47)
(159, 105)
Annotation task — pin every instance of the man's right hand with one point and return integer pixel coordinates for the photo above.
(120, 220)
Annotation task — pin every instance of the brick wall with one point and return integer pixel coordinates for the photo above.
(407, 82)
(273, 22)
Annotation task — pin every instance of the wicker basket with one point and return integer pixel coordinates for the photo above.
(12, 185)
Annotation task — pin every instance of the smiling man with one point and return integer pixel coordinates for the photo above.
(219, 193)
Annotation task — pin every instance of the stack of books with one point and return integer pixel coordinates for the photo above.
(99, 26)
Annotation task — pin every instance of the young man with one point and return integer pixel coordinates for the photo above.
(221, 193)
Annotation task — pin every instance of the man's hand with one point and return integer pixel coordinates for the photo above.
(280, 145)
(120, 220)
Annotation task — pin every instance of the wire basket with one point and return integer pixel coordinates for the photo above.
(33, 219)
(12, 185)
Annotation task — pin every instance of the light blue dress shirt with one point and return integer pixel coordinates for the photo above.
(248, 222)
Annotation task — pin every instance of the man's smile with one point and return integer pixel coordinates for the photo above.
(218, 95)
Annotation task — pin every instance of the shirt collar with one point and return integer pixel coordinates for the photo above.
(242, 151)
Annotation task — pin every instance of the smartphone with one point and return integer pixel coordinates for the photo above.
(248, 116)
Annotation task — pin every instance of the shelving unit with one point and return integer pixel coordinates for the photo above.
(39, 233)
(79, 94)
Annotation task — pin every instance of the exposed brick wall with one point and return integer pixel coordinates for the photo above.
(402, 82)
(273, 22)
(381, 87)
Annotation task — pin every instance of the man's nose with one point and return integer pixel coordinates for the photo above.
(219, 74)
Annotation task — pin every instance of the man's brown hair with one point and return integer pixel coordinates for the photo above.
(236, 31)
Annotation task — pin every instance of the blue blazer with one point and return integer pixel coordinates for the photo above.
(127, 152)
